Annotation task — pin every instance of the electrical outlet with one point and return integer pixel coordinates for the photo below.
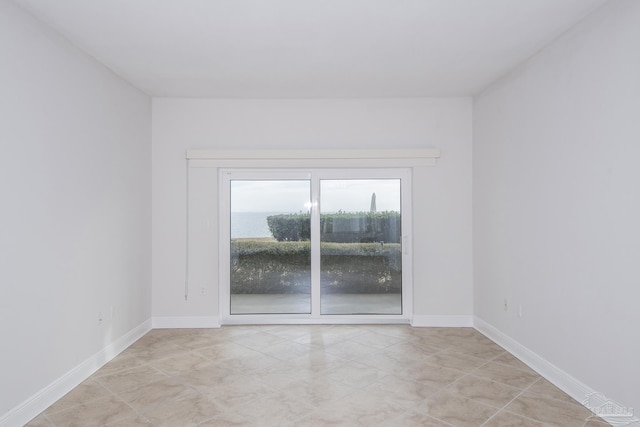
(203, 290)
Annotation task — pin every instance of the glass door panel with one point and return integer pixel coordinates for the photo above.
(270, 251)
(360, 246)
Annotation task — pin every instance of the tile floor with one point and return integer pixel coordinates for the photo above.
(387, 375)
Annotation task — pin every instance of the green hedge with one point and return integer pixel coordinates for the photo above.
(265, 267)
(361, 227)
(290, 228)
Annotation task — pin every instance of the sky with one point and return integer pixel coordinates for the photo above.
(353, 195)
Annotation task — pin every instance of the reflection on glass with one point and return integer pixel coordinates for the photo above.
(270, 248)
(360, 248)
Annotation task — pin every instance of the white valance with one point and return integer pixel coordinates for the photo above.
(314, 158)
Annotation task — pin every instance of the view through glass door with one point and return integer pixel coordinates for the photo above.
(315, 244)
(360, 246)
(270, 246)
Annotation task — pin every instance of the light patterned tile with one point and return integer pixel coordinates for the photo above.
(155, 351)
(415, 419)
(325, 336)
(203, 377)
(293, 332)
(383, 361)
(281, 378)
(361, 408)
(252, 364)
(86, 392)
(122, 362)
(504, 418)
(544, 387)
(235, 390)
(151, 338)
(231, 419)
(510, 360)
(483, 351)
(350, 350)
(506, 375)
(410, 352)
(411, 392)
(354, 375)
(157, 393)
(260, 341)
(377, 340)
(548, 410)
(459, 361)
(279, 409)
(435, 340)
(181, 364)
(435, 376)
(482, 390)
(197, 341)
(288, 350)
(318, 361)
(184, 411)
(318, 391)
(226, 351)
(300, 375)
(96, 413)
(397, 331)
(131, 421)
(457, 410)
(131, 378)
(233, 332)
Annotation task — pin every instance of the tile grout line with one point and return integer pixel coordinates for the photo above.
(127, 403)
(512, 400)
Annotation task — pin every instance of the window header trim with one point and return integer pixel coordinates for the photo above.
(417, 154)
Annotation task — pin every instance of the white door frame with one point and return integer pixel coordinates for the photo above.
(315, 175)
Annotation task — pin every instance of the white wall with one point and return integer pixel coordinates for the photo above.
(442, 203)
(75, 222)
(556, 200)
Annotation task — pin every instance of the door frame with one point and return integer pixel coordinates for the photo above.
(315, 174)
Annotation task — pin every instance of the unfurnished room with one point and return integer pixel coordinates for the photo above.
(320, 213)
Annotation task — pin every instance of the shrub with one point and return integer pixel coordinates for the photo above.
(264, 267)
(291, 227)
(259, 267)
(359, 227)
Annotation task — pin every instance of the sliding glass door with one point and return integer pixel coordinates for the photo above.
(270, 265)
(360, 246)
(314, 244)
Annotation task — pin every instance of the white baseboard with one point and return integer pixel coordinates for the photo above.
(565, 382)
(185, 322)
(443, 321)
(33, 406)
(557, 376)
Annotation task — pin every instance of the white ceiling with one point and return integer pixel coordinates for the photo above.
(310, 48)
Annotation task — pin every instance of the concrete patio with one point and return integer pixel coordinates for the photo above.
(330, 303)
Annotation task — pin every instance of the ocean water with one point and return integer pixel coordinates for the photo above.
(250, 224)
